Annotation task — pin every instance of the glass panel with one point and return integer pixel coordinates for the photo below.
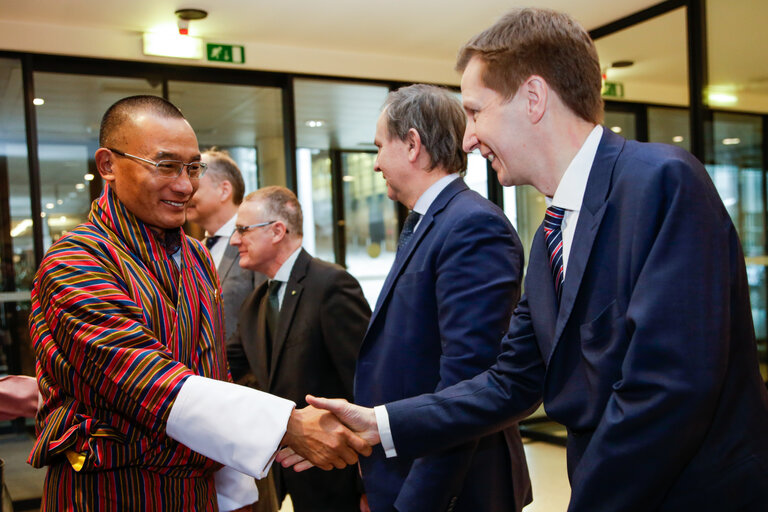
(477, 173)
(623, 123)
(245, 120)
(655, 71)
(738, 175)
(68, 131)
(16, 238)
(331, 115)
(670, 126)
(370, 223)
(315, 197)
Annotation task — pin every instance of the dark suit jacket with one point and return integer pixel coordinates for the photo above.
(321, 325)
(236, 285)
(650, 362)
(440, 318)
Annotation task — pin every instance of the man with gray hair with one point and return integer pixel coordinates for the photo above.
(440, 316)
(299, 333)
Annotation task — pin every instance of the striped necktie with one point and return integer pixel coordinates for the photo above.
(553, 236)
(408, 226)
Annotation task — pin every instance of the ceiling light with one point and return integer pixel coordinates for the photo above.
(49, 206)
(88, 177)
(677, 138)
(173, 45)
(38, 101)
(315, 123)
(80, 186)
(43, 214)
(348, 178)
(21, 227)
(616, 129)
(722, 98)
(731, 141)
(59, 201)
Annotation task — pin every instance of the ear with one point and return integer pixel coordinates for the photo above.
(225, 190)
(104, 159)
(279, 231)
(413, 139)
(537, 93)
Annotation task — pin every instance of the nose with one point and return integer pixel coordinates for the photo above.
(470, 141)
(183, 185)
(376, 167)
(235, 239)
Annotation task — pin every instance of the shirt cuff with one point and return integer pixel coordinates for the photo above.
(385, 434)
(234, 425)
(234, 490)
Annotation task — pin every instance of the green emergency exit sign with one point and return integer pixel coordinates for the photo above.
(613, 89)
(225, 53)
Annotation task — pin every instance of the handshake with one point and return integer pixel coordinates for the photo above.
(329, 433)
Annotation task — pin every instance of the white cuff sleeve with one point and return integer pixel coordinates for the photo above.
(234, 490)
(385, 434)
(234, 425)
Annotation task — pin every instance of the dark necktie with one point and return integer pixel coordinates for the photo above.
(211, 241)
(273, 313)
(553, 236)
(407, 233)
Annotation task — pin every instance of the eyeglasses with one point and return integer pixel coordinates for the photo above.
(244, 229)
(170, 168)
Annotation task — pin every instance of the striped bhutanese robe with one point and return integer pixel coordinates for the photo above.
(117, 327)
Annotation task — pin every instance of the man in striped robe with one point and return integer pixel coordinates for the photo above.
(128, 335)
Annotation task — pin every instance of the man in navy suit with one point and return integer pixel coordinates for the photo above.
(635, 327)
(442, 311)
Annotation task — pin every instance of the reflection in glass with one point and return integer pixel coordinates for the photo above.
(623, 123)
(247, 121)
(670, 126)
(738, 175)
(16, 237)
(68, 131)
(370, 223)
(315, 197)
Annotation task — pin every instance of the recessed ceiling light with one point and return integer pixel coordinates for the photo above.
(722, 98)
(49, 206)
(677, 138)
(88, 177)
(616, 129)
(80, 186)
(314, 123)
(731, 141)
(38, 101)
(348, 178)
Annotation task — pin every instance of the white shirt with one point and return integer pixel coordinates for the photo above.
(428, 197)
(570, 196)
(283, 274)
(225, 233)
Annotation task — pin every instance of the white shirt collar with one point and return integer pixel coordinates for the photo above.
(570, 190)
(283, 274)
(429, 195)
(227, 229)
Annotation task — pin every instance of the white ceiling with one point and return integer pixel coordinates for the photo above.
(431, 28)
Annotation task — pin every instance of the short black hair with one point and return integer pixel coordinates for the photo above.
(121, 110)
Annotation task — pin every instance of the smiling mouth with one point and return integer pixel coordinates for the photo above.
(174, 203)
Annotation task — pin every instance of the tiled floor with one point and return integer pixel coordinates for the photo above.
(546, 463)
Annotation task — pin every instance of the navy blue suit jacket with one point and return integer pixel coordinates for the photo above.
(440, 317)
(650, 361)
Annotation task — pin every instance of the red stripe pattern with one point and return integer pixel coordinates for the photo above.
(553, 236)
(117, 327)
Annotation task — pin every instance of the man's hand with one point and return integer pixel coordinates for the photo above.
(362, 420)
(319, 437)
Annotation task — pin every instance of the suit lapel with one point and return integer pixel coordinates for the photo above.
(541, 298)
(404, 256)
(230, 255)
(590, 217)
(293, 292)
(256, 329)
